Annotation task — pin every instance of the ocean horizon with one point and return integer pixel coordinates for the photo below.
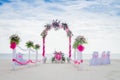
(50, 55)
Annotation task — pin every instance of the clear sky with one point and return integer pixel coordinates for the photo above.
(97, 20)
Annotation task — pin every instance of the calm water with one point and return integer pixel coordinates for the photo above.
(49, 56)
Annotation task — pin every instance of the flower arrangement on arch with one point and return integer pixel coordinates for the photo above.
(69, 33)
(56, 25)
(65, 26)
(44, 33)
(47, 26)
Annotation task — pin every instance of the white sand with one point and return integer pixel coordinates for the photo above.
(60, 71)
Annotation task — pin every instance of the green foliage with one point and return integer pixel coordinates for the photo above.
(79, 40)
(75, 44)
(36, 46)
(63, 58)
(53, 59)
(29, 44)
(14, 38)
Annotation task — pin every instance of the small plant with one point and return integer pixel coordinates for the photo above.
(36, 46)
(29, 44)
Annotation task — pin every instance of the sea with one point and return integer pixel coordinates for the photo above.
(50, 55)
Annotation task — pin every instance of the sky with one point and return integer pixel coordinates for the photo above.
(97, 20)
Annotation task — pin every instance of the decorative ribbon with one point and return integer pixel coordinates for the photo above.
(24, 63)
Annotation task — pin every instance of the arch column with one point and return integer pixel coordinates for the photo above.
(70, 47)
(43, 53)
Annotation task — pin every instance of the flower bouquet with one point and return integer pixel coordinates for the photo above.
(80, 40)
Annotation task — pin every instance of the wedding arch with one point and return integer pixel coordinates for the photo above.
(56, 25)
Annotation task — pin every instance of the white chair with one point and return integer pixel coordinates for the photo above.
(105, 58)
(95, 59)
(102, 58)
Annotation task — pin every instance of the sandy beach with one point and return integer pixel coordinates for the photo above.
(60, 71)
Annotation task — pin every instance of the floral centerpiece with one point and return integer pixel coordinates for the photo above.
(58, 57)
(14, 40)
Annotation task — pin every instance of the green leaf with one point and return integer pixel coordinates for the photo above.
(29, 44)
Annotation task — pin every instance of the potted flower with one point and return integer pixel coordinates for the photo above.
(14, 40)
(29, 45)
(36, 47)
(78, 44)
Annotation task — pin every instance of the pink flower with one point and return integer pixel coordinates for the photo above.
(58, 56)
(13, 45)
(81, 61)
(75, 62)
(78, 62)
(80, 48)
